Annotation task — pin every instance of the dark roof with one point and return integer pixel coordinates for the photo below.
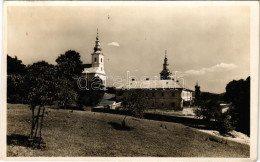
(87, 65)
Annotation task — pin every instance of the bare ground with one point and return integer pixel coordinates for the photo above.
(85, 133)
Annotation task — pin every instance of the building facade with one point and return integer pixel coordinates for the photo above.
(96, 68)
(165, 93)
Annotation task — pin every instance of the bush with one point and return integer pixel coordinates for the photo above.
(224, 124)
(212, 111)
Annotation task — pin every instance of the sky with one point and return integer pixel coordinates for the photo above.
(208, 45)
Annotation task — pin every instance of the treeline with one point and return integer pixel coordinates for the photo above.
(237, 114)
(44, 83)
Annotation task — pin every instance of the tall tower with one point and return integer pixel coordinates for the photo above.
(97, 56)
(165, 74)
(96, 68)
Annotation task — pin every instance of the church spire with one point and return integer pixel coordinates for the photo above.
(165, 65)
(165, 74)
(97, 44)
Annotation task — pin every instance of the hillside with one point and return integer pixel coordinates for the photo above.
(85, 133)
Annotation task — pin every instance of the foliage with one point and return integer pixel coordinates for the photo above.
(111, 90)
(69, 65)
(17, 88)
(133, 102)
(211, 110)
(238, 93)
(42, 84)
(93, 95)
(69, 68)
(224, 123)
(15, 66)
(197, 95)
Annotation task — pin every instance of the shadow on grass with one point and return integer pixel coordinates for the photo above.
(18, 140)
(119, 126)
(22, 140)
(191, 122)
(204, 127)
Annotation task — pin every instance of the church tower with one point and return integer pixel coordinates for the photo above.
(96, 68)
(165, 74)
(97, 56)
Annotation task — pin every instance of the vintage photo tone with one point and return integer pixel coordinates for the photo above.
(140, 80)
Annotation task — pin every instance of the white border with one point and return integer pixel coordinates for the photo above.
(254, 58)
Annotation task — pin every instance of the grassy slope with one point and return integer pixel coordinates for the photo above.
(92, 134)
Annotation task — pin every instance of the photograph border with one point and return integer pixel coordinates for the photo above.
(254, 74)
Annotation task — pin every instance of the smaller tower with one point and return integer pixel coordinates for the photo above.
(197, 94)
(165, 74)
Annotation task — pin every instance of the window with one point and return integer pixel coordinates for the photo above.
(101, 68)
(95, 59)
(173, 104)
(162, 104)
(172, 94)
(162, 94)
(153, 94)
(152, 104)
(101, 59)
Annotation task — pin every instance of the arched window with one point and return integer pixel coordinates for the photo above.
(101, 59)
(95, 59)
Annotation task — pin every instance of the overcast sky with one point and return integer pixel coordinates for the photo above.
(210, 44)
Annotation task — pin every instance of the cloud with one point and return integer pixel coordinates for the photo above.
(113, 44)
(215, 68)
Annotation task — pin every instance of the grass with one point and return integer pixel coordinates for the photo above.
(86, 133)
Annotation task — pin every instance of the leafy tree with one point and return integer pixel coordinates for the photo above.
(69, 68)
(93, 94)
(17, 88)
(238, 93)
(69, 65)
(16, 81)
(211, 110)
(42, 89)
(197, 94)
(42, 83)
(224, 123)
(133, 101)
(15, 66)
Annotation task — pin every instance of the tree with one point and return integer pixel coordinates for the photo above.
(93, 94)
(69, 68)
(211, 110)
(69, 64)
(133, 101)
(15, 66)
(197, 94)
(42, 89)
(17, 89)
(238, 93)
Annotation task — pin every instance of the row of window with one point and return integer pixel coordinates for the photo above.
(96, 59)
(162, 94)
(162, 104)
